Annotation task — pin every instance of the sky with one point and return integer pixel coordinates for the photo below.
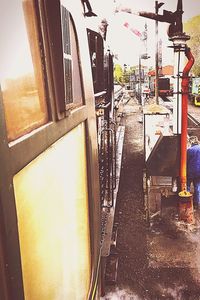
(127, 45)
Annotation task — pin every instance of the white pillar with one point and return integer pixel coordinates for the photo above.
(179, 43)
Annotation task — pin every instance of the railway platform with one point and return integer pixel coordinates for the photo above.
(157, 258)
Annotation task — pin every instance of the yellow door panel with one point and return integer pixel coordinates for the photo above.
(52, 209)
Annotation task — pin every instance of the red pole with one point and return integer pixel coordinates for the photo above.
(185, 89)
(185, 198)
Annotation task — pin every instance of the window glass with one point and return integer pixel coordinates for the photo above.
(22, 79)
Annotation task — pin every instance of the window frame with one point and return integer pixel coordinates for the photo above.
(57, 58)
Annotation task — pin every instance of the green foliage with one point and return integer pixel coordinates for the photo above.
(122, 74)
(118, 73)
(192, 28)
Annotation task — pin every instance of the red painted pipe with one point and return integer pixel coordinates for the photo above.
(185, 89)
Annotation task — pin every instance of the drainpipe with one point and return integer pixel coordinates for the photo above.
(185, 198)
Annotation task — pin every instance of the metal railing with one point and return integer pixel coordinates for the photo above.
(107, 163)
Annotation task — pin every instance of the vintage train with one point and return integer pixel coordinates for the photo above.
(195, 90)
(165, 88)
(56, 133)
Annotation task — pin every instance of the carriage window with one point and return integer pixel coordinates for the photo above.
(72, 77)
(64, 53)
(22, 78)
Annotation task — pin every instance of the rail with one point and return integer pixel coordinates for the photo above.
(193, 120)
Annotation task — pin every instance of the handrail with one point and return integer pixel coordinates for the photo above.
(95, 278)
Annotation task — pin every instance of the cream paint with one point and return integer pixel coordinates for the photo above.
(52, 210)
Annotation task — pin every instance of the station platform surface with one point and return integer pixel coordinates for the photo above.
(159, 259)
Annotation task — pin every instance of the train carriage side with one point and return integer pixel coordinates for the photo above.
(49, 181)
(102, 72)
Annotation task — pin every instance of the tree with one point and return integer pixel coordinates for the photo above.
(118, 73)
(192, 27)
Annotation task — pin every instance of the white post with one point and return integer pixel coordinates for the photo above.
(179, 43)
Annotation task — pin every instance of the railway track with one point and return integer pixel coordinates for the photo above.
(192, 121)
(193, 114)
(193, 125)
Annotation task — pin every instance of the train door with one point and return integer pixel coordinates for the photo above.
(49, 185)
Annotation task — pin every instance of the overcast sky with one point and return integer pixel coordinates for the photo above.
(128, 45)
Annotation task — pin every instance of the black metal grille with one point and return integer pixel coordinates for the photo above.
(68, 80)
(67, 63)
(107, 163)
(65, 30)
